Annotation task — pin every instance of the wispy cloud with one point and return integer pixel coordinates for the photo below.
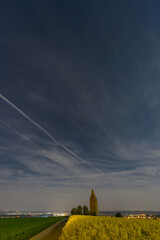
(51, 165)
(48, 134)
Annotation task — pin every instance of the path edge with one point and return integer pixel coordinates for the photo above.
(47, 229)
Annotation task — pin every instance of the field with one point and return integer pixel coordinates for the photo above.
(110, 228)
(24, 228)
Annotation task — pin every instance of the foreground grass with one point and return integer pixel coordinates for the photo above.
(110, 228)
(24, 228)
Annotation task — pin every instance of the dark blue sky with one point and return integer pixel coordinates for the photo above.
(79, 104)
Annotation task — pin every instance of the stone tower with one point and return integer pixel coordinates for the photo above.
(93, 203)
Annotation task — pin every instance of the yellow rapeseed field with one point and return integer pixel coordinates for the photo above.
(110, 228)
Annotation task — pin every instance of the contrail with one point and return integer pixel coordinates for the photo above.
(21, 135)
(41, 149)
(49, 135)
(22, 113)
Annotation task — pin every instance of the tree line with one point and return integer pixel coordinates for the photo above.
(82, 211)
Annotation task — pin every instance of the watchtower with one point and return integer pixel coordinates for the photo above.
(93, 203)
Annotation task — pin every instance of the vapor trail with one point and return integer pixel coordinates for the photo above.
(21, 135)
(22, 113)
(41, 149)
(49, 135)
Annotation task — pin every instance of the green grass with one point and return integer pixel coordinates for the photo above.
(24, 228)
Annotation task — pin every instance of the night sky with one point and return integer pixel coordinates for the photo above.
(80, 104)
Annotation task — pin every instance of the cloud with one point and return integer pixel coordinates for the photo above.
(48, 134)
(93, 90)
(48, 167)
(35, 159)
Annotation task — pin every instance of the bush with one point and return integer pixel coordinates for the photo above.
(118, 214)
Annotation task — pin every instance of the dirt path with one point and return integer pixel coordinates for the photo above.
(51, 233)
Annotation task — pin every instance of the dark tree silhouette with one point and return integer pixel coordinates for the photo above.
(79, 210)
(74, 211)
(118, 214)
(85, 210)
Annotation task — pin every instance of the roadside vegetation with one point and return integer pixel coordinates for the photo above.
(110, 228)
(24, 228)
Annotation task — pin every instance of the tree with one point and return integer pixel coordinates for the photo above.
(74, 211)
(79, 210)
(118, 214)
(85, 210)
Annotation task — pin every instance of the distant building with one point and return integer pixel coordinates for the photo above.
(137, 216)
(93, 203)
